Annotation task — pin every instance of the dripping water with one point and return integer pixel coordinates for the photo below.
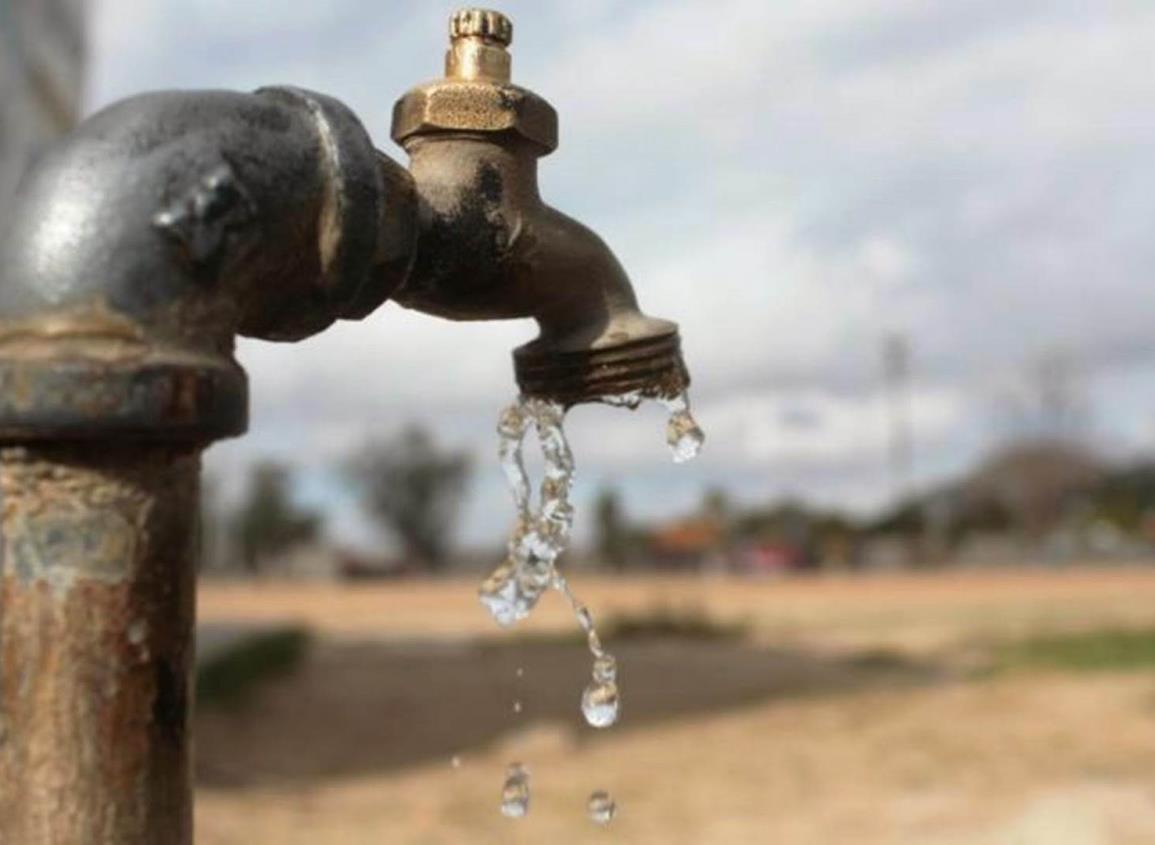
(515, 791)
(601, 807)
(541, 535)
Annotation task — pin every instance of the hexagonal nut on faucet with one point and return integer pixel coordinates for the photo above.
(454, 105)
(475, 95)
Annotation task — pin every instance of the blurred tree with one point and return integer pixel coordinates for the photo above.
(414, 490)
(905, 517)
(1126, 496)
(612, 533)
(268, 523)
(1035, 481)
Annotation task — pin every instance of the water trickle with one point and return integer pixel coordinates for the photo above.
(605, 669)
(539, 537)
(515, 792)
(513, 589)
(601, 807)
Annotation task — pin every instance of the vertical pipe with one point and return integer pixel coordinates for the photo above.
(97, 581)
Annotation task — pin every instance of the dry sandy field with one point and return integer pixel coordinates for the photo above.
(852, 710)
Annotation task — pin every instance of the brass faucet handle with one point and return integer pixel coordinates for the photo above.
(485, 24)
(477, 42)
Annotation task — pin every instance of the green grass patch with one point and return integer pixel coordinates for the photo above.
(1104, 650)
(228, 677)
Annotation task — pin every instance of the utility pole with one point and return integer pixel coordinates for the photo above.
(896, 380)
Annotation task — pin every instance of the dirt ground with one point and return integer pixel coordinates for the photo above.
(858, 710)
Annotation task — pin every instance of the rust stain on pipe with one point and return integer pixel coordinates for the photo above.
(96, 615)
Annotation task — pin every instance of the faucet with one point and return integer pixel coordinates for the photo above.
(489, 248)
(132, 255)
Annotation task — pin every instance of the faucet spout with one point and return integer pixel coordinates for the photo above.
(489, 248)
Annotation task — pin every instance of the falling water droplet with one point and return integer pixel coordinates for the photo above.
(517, 706)
(601, 807)
(455, 762)
(684, 436)
(520, 672)
(499, 594)
(601, 703)
(515, 792)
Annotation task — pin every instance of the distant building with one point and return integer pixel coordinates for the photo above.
(42, 60)
(767, 559)
(687, 544)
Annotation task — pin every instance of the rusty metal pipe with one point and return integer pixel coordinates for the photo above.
(96, 630)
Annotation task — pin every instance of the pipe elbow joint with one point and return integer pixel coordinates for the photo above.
(166, 224)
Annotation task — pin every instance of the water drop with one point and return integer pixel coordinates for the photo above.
(517, 706)
(601, 703)
(601, 807)
(683, 435)
(455, 762)
(499, 594)
(520, 672)
(515, 792)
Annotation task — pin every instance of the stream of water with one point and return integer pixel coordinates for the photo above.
(540, 535)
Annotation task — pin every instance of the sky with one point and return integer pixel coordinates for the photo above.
(792, 182)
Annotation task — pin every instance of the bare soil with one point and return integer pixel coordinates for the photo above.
(857, 711)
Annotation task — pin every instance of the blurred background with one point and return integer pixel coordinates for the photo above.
(906, 594)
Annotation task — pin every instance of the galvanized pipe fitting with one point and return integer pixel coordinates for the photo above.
(138, 248)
